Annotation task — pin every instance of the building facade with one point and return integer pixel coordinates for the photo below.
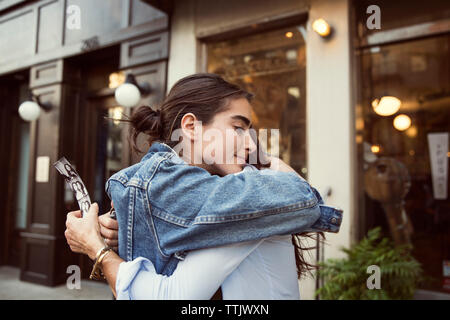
(71, 55)
(323, 93)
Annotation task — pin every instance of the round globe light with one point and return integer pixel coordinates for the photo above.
(402, 122)
(127, 95)
(29, 110)
(386, 106)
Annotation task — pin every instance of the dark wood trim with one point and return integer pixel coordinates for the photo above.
(253, 26)
(163, 5)
(3, 147)
(10, 4)
(413, 32)
(105, 92)
(9, 132)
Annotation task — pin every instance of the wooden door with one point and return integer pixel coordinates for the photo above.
(14, 146)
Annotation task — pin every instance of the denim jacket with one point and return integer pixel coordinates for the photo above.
(166, 207)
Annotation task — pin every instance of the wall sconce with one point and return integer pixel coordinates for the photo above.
(322, 28)
(129, 93)
(31, 109)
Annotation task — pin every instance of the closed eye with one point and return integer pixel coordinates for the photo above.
(239, 130)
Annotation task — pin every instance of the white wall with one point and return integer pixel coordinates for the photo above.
(330, 133)
(183, 44)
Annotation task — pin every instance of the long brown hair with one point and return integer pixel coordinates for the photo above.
(205, 95)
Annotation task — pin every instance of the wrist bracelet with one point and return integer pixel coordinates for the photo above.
(97, 272)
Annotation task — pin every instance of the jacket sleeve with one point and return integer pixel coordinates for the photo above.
(203, 210)
(330, 218)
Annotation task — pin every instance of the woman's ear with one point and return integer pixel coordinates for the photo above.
(191, 127)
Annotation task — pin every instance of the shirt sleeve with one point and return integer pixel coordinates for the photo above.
(198, 276)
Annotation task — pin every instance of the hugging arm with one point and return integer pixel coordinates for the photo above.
(198, 276)
(241, 207)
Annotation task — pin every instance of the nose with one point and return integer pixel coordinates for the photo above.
(250, 141)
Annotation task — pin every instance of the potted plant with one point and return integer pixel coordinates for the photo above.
(347, 278)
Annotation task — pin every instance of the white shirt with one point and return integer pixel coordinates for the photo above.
(261, 269)
(268, 273)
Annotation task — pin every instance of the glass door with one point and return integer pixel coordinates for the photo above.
(111, 151)
(15, 163)
(405, 99)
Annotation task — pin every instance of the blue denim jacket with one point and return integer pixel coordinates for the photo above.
(166, 207)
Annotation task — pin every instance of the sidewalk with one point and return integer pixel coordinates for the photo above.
(11, 288)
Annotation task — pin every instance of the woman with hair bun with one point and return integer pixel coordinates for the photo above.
(195, 213)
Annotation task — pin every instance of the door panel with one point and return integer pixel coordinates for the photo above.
(14, 146)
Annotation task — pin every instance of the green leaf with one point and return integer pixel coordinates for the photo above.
(346, 278)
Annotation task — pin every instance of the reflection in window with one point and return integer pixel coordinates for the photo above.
(405, 152)
(114, 141)
(109, 150)
(272, 66)
(116, 79)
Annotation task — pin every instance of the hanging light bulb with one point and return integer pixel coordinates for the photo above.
(386, 106)
(402, 122)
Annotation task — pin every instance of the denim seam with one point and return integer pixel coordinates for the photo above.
(147, 185)
(130, 226)
(170, 218)
(153, 225)
(248, 216)
(131, 182)
(118, 179)
(155, 167)
(165, 216)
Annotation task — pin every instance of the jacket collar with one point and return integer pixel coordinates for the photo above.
(160, 147)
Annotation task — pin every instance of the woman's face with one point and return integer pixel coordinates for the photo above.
(226, 140)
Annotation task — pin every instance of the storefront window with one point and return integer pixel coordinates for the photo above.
(403, 134)
(272, 66)
(109, 150)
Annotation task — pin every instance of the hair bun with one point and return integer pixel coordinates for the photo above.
(148, 121)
